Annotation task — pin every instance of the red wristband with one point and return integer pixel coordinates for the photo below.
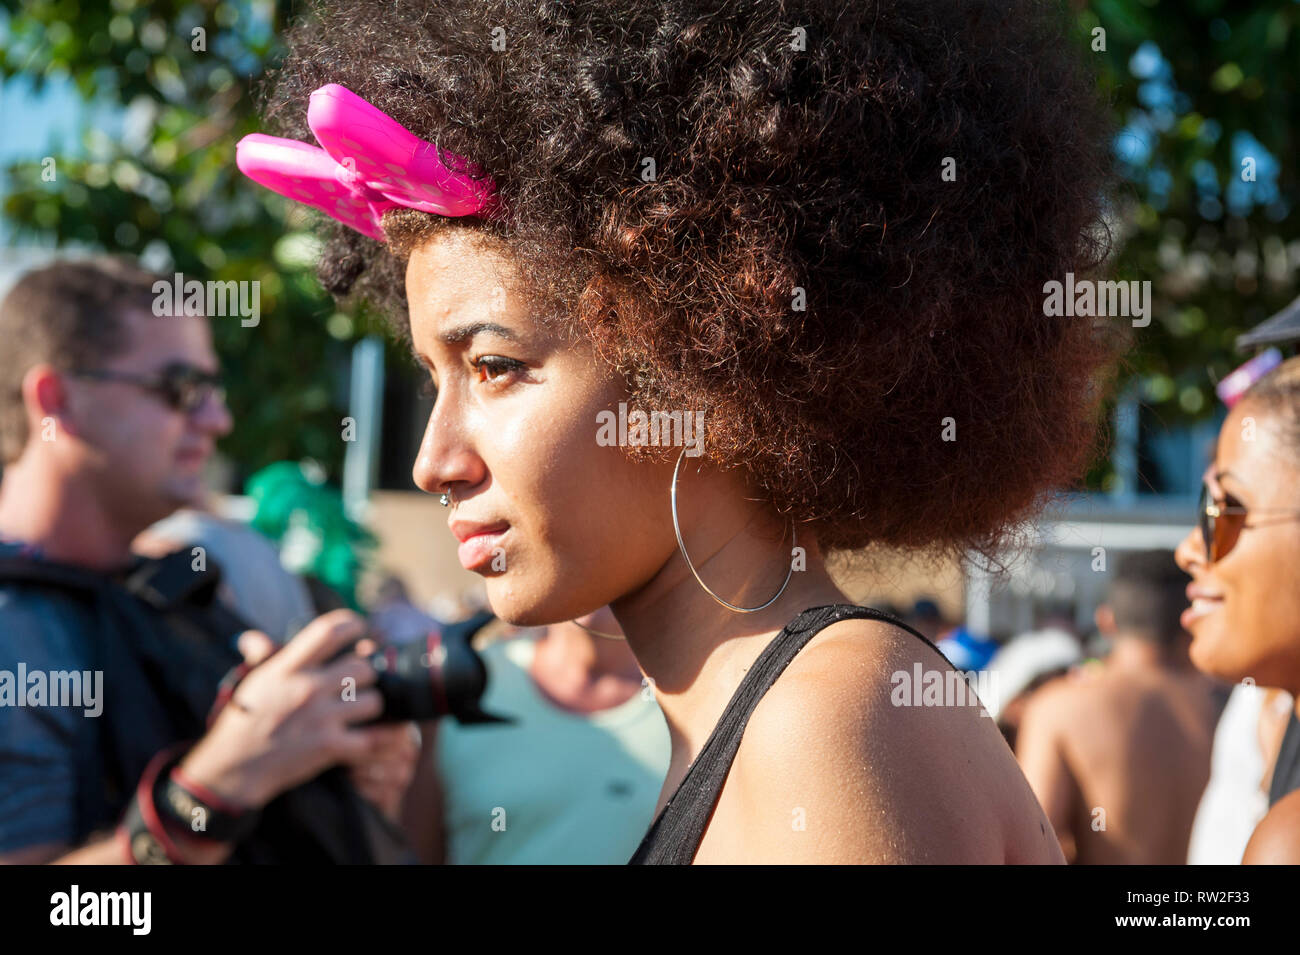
(146, 838)
(207, 795)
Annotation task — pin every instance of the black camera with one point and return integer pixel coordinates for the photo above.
(438, 676)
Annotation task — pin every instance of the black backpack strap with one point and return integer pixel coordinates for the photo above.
(134, 724)
(173, 587)
(47, 573)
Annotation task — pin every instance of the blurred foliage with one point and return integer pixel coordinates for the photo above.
(307, 520)
(1205, 94)
(1198, 87)
(177, 76)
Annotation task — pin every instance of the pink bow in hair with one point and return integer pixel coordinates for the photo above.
(369, 164)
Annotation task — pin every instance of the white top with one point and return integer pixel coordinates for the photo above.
(1232, 804)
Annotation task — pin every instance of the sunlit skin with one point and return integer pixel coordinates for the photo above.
(1245, 607)
(512, 440)
(119, 458)
(1133, 737)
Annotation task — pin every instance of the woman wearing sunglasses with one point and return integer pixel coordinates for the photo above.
(1244, 559)
(817, 234)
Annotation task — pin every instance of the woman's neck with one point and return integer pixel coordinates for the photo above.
(694, 651)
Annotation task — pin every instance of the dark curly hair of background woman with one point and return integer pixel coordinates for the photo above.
(777, 168)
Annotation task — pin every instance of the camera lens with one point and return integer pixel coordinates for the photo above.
(438, 676)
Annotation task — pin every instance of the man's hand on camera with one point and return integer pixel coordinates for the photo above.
(292, 716)
(384, 774)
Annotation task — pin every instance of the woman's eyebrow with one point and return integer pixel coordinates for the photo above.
(464, 332)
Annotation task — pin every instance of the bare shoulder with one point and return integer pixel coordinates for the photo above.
(1072, 700)
(843, 768)
(1276, 840)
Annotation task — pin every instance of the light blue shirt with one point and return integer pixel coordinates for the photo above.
(555, 787)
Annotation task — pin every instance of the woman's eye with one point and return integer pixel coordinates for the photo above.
(494, 367)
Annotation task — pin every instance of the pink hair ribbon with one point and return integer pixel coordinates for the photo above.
(369, 163)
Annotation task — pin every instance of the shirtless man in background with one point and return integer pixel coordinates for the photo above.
(1119, 756)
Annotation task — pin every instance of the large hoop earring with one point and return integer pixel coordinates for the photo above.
(598, 633)
(687, 557)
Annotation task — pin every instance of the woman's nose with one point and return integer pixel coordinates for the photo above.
(1191, 551)
(445, 458)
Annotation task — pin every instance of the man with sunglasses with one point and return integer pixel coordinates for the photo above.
(108, 415)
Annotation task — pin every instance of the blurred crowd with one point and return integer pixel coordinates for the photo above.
(1163, 734)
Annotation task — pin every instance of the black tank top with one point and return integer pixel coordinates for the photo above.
(1286, 771)
(675, 835)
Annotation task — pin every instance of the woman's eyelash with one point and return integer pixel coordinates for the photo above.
(496, 364)
(489, 367)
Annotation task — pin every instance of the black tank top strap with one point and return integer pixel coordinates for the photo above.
(1286, 768)
(675, 835)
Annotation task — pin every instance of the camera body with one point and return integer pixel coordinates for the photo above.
(438, 676)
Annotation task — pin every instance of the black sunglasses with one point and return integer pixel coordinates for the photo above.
(182, 387)
(1221, 523)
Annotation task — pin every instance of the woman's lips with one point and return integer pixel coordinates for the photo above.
(1203, 604)
(476, 551)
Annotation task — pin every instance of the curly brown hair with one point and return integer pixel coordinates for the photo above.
(804, 154)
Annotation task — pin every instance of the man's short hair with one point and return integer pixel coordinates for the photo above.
(68, 314)
(1147, 596)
